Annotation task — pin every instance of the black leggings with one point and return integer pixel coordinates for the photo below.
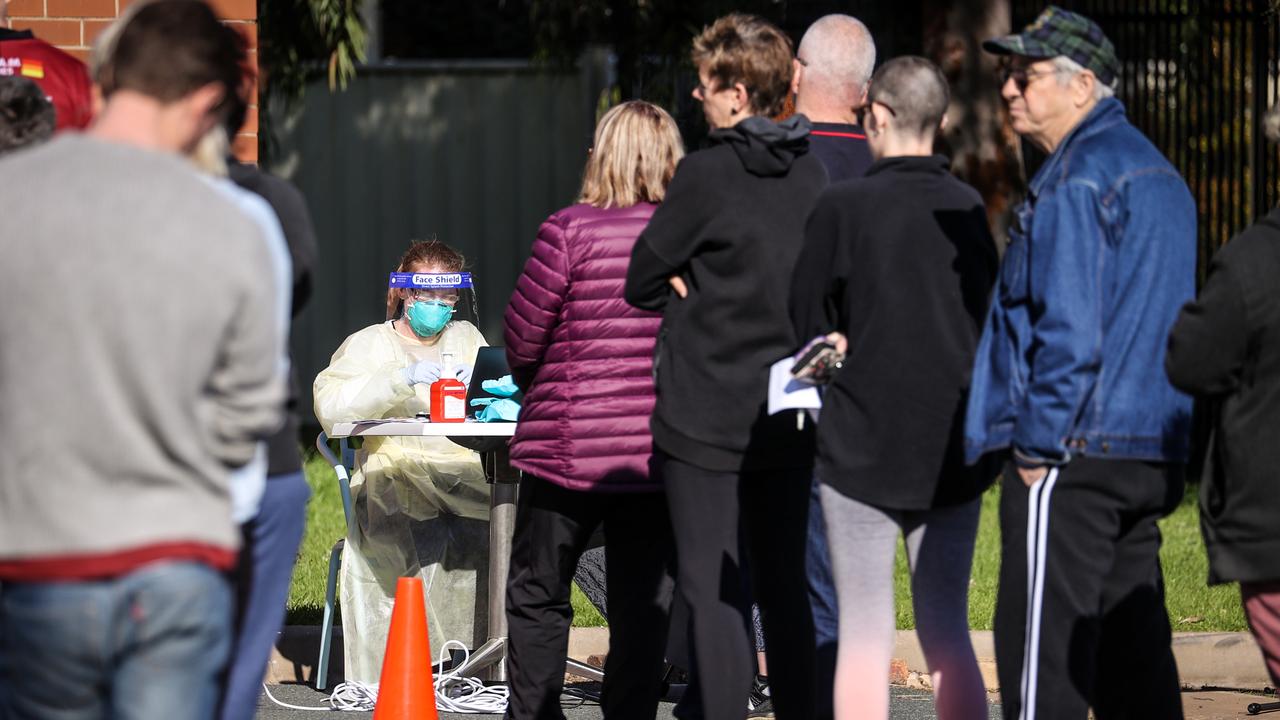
(709, 512)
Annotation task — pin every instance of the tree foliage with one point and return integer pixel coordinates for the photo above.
(650, 38)
(300, 39)
(299, 35)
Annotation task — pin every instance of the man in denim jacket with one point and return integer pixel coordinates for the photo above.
(1068, 377)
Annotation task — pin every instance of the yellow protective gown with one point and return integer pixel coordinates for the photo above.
(421, 503)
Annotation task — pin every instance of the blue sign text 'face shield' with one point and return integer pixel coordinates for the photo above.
(432, 300)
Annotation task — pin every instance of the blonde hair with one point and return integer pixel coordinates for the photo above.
(210, 154)
(635, 152)
(104, 46)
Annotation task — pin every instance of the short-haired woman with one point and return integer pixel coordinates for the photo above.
(900, 263)
(585, 361)
(717, 260)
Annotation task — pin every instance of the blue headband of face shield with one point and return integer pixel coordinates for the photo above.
(428, 317)
(429, 281)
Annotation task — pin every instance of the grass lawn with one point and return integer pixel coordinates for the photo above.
(1192, 605)
(324, 526)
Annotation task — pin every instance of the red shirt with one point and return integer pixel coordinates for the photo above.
(62, 77)
(96, 566)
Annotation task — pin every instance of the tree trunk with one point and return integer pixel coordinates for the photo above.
(983, 147)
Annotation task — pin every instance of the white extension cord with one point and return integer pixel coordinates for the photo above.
(454, 693)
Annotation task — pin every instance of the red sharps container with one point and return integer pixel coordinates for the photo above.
(448, 400)
(448, 397)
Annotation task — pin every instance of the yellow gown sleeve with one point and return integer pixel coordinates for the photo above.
(364, 380)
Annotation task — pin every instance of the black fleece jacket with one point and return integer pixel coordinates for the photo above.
(731, 226)
(1225, 349)
(902, 262)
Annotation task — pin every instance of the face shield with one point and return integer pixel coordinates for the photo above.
(430, 301)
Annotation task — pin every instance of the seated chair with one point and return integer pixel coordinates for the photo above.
(342, 466)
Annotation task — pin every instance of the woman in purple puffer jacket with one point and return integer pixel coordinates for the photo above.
(585, 361)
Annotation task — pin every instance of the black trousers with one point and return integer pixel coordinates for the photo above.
(553, 527)
(1080, 616)
(710, 513)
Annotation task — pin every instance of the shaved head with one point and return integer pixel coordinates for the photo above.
(838, 54)
(917, 92)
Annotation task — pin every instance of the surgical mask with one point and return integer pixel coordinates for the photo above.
(428, 318)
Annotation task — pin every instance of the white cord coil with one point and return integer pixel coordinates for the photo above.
(459, 694)
(454, 693)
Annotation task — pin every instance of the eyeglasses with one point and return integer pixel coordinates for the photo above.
(860, 112)
(448, 297)
(703, 91)
(802, 61)
(1022, 77)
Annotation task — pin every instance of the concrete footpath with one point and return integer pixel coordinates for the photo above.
(904, 704)
(1205, 660)
(1221, 673)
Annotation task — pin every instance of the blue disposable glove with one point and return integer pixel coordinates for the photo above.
(496, 409)
(502, 387)
(423, 372)
(463, 373)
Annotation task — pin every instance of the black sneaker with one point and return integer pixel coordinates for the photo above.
(759, 703)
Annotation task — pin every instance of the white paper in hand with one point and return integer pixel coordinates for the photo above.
(787, 393)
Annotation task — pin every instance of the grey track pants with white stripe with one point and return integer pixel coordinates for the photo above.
(1080, 617)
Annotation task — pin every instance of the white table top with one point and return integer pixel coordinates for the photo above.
(420, 428)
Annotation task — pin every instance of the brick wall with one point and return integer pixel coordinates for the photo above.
(73, 24)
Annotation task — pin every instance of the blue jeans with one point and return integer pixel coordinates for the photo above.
(146, 645)
(822, 603)
(271, 542)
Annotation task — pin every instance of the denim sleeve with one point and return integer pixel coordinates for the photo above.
(1067, 247)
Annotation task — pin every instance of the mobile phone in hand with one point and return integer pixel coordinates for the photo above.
(817, 362)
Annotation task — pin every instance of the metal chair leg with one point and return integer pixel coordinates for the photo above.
(326, 626)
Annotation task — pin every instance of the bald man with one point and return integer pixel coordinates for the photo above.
(832, 69)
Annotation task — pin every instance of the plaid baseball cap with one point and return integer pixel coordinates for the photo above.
(1061, 32)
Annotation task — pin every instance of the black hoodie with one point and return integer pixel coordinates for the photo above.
(731, 226)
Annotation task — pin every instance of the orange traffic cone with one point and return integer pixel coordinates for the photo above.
(406, 690)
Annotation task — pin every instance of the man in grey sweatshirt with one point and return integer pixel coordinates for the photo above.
(137, 367)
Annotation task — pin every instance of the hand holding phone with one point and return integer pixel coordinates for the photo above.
(818, 361)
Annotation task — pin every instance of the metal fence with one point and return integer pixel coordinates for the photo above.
(1197, 76)
(475, 153)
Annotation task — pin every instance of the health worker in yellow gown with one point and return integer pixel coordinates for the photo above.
(421, 503)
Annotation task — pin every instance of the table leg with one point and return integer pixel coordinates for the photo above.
(488, 662)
